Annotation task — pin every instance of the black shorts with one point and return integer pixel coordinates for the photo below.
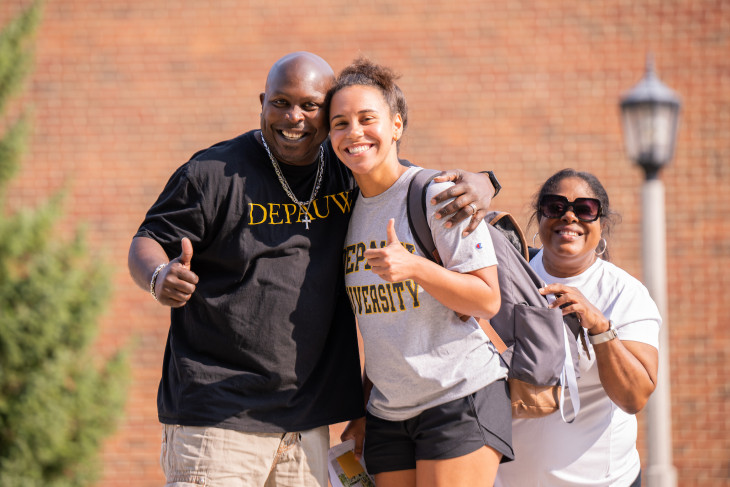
(450, 430)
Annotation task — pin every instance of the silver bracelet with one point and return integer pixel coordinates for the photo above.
(153, 281)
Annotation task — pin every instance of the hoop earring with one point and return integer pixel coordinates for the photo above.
(533, 240)
(605, 246)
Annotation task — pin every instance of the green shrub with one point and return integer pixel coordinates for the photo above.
(57, 403)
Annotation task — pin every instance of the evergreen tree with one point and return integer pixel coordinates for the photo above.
(57, 403)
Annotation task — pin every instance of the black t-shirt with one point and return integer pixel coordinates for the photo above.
(267, 343)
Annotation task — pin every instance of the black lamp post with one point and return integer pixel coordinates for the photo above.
(650, 116)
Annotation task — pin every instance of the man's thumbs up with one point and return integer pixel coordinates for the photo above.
(187, 252)
(177, 280)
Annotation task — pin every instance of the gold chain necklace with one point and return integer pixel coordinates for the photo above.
(303, 206)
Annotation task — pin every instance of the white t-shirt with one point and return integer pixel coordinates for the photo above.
(599, 447)
(418, 353)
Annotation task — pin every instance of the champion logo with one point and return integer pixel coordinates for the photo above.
(479, 246)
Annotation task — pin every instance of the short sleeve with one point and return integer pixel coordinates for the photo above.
(636, 316)
(177, 213)
(459, 254)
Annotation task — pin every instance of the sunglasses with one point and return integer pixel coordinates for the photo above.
(584, 209)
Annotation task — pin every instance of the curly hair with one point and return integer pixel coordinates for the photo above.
(363, 72)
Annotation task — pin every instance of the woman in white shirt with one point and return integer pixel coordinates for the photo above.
(618, 347)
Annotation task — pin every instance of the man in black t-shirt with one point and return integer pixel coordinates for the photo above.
(245, 245)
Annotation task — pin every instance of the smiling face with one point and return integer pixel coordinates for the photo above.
(569, 244)
(363, 133)
(291, 116)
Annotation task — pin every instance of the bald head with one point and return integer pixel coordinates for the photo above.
(293, 121)
(302, 64)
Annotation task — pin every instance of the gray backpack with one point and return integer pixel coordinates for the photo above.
(533, 340)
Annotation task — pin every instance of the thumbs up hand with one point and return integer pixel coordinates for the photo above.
(176, 282)
(187, 252)
(393, 262)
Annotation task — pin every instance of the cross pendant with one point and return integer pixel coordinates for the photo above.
(306, 220)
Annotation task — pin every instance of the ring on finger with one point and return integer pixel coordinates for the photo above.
(474, 208)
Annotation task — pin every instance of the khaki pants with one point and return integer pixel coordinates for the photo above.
(194, 456)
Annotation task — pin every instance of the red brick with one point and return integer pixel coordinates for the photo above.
(124, 92)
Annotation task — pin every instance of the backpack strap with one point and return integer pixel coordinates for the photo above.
(492, 335)
(569, 380)
(416, 210)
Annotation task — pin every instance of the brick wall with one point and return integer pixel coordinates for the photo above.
(125, 91)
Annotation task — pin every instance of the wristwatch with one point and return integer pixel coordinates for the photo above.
(606, 336)
(494, 181)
